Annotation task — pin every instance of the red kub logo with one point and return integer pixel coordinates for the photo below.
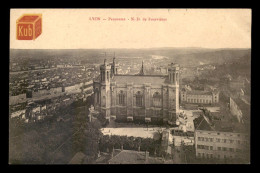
(29, 27)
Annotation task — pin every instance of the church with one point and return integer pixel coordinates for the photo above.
(138, 97)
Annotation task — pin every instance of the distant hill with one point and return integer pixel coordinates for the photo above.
(183, 56)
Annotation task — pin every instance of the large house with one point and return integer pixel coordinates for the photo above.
(137, 97)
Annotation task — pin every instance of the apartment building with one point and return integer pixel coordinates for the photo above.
(220, 139)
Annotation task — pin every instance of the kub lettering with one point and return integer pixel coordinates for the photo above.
(25, 31)
(20, 31)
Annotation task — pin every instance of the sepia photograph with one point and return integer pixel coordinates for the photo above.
(129, 86)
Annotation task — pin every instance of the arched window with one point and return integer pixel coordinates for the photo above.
(139, 99)
(121, 98)
(157, 99)
(97, 95)
(107, 75)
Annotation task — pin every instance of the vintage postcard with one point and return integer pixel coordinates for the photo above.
(130, 86)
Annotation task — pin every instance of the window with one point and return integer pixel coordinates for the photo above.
(238, 141)
(107, 75)
(224, 140)
(199, 154)
(139, 99)
(211, 147)
(218, 140)
(231, 149)
(211, 155)
(121, 98)
(199, 138)
(211, 139)
(224, 148)
(231, 141)
(202, 138)
(157, 100)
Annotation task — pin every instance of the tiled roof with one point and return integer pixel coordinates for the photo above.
(200, 123)
(128, 157)
(133, 157)
(135, 79)
(78, 158)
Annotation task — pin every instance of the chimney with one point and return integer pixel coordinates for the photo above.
(122, 148)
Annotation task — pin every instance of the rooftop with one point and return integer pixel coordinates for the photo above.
(199, 92)
(135, 79)
(78, 158)
(133, 157)
(245, 108)
(204, 123)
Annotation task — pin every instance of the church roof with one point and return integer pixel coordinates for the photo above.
(135, 79)
(198, 92)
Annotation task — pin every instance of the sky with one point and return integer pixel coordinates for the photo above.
(73, 29)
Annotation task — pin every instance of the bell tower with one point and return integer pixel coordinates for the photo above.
(173, 73)
(105, 78)
(114, 66)
(173, 88)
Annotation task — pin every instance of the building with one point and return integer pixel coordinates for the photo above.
(133, 157)
(137, 97)
(199, 97)
(78, 158)
(239, 109)
(221, 139)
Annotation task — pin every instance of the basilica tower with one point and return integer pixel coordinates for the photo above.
(105, 78)
(173, 88)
